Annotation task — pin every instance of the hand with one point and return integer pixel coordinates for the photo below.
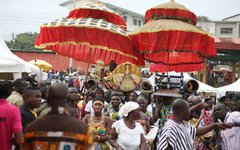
(224, 126)
(235, 124)
(119, 148)
(218, 147)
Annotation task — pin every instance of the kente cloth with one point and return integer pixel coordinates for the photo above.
(98, 128)
(55, 140)
(114, 115)
(165, 114)
(204, 120)
(180, 136)
(58, 131)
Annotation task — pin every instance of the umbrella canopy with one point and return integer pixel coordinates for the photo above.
(98, 11)
(171, 38)
(89, 34)
(41, 64)
(177, 68)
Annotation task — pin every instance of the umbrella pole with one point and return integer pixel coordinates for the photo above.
(89, 56)
(168, 79)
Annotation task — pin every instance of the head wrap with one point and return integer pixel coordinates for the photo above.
(100, 99)
(127, 108)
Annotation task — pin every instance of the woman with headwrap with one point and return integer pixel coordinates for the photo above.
(134, 139)
(99, 125)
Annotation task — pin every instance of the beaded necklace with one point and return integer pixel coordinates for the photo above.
(96, 126)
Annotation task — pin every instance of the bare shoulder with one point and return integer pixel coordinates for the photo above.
(107, 119)
(86, 118)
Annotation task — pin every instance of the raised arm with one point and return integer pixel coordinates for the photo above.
(206, 129)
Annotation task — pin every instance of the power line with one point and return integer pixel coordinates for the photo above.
(30, 13)
(21, 16)
(25, 20)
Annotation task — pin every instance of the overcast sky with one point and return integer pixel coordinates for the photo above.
(17, 16)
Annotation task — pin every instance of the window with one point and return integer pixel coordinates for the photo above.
(135, 22)
(125, 18)
(139, 23)
(239, 30)
(226, 30)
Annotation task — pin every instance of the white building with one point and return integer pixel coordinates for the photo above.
(132, 19)
(227, 28)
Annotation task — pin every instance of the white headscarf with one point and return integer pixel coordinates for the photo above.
(127, 108)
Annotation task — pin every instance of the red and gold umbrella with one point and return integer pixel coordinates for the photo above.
(171, 38)
(88, 34)
(98, 11)
(177, 68)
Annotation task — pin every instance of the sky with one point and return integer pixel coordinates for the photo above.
(18, 16)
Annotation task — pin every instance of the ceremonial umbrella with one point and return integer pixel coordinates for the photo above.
(41, 64)
(177, 68)
(90, 33)
(171, 39)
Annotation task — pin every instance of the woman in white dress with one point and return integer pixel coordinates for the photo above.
(127, 134)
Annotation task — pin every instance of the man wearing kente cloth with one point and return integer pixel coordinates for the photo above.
(57, 130)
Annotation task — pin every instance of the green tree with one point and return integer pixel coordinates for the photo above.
(23, 41)
(203, 18)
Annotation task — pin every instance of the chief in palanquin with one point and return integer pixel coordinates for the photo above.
(125, 77)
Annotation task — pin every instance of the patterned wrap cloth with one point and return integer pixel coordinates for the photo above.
(56, 140)
(98, 128)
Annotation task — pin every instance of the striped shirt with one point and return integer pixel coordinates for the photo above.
(178, 136)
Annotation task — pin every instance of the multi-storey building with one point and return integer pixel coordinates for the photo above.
(132, 19)
(226, 28)
(227, 41)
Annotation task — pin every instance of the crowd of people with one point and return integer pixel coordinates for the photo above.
(62, 116)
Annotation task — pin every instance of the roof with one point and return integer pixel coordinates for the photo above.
(110, 6)
(122, 9)
(65, 3)
(227, 40)
(228, 43)
(230, 17)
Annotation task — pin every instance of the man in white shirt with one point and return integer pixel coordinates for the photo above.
(230, 137)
